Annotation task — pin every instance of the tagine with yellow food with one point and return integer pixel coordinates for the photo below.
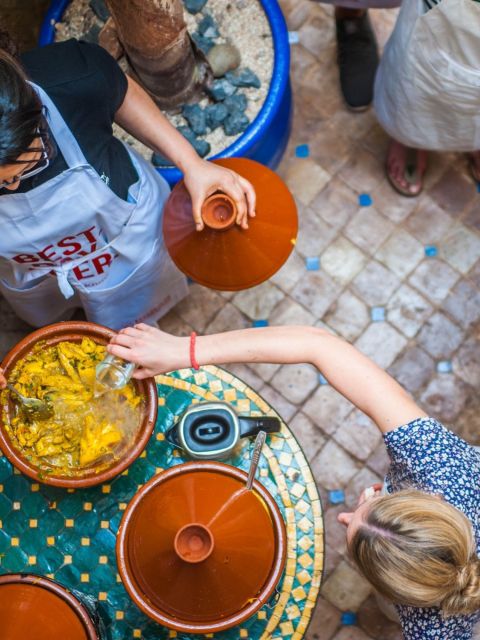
(86, 428)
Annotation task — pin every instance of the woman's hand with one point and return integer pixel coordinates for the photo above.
(203, 178)
(154, 351)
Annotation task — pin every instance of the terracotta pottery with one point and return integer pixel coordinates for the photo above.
(40, 609)
(199, 553)
(219, 211)
(75, 331)
(233, 258)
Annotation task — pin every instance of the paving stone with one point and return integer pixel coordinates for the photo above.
(330, 148)
(379, 460)
(199, 307)
(347, 589)
(352, 633)
(395, 209)
(258, 302)
(363, 479)
(368, 229)
(289, 312)
(310, 437)
(413, 369)
(445, 397)
(373, 621)
(453, 191)
(466, 362)
(324, 622)
(295, 12)
(467, 424)
(264, 370)
(472, 219)
(348, 315)
(463, 304)
(314, 33)
(382, 343)
(460, 248)
(434, 278)
(358, 435)
(247, 374)
(306, 178)
(407, 310)
(316, 291)
(429, 223)
(343, 260)
(333, 467)
(315, 234)
(172, 323)
(336, 204)
(375, 284)
(285, 409)
(439, 336)
(362, 172)
(295, 382)
(291, 272)
(327, 408)
(474, 274)
(227, 319)
(400, 253)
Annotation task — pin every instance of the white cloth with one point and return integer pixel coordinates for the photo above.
(427, 90)
(364, 4)
(73, 242)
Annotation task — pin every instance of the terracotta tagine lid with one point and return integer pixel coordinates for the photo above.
(35, 607)
(199, 553)
(224, 256)
(92, 475)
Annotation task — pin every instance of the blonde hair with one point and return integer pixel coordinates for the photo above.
(418, 550)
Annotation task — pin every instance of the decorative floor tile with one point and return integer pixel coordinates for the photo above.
(368, 229)
(375, 284)
(343, 260)
(348, 315)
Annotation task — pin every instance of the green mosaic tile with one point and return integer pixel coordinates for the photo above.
(73, 536)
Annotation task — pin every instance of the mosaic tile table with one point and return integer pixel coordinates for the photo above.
(70, 535)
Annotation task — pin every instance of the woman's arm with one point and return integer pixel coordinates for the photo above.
(351, 373)
(141, 117)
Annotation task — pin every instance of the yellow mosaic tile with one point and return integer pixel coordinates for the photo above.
(33, 523)
(106, 488)
(69, 523)
(303, 577)
(230, 395)
(305, 560)
(51, 541)
(299, 593)
(14, 542)
(17, 506)
(160, 437)
(137, 633)
(32, 560)
(102, 596)
(305, 525)
(119, 615)
(302, 507)
(85, 542)
(243, 633)
(84, 577)
(35, 487)
(67, 559)
(285, 459)
(287, 628)
(87, 506)
(293, 612)
(104, 524)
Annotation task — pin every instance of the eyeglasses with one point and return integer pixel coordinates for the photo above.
(39, 166)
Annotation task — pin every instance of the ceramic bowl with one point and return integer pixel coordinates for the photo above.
(75, 331)
(36, 607)
(197, 552)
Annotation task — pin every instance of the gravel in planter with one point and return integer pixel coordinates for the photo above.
(240, 23)
(196, 118)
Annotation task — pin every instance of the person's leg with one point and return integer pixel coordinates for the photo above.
(406, 168)
(357, 56)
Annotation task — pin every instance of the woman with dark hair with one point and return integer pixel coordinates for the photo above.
(418, 544)
(81, 213)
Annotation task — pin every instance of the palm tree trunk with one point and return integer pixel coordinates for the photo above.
(159, 50)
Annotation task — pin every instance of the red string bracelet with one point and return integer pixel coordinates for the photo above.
(193, 360)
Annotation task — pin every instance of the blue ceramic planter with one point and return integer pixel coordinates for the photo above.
(266, 137)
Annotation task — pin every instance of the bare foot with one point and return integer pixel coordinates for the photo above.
(406, 168)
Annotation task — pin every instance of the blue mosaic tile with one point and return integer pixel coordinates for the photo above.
(337, 496)
(312, 264)
(322, 379)
(365, 200)
(302, 151)
(377, 314)
(444, 366)
(431, 251)
(293, 37)
(260, 323)
(349, 618)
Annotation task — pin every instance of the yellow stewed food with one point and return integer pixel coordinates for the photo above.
(84, 430)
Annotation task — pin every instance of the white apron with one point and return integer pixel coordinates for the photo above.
(73, 242)
(427, 90)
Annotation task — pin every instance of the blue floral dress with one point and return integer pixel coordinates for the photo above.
(426, 456)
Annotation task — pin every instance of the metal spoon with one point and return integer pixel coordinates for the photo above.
(257, 450)
(42, 409)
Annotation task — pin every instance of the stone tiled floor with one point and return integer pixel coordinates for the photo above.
(416, 314)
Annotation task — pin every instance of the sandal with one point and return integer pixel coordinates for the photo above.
(412, 173)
